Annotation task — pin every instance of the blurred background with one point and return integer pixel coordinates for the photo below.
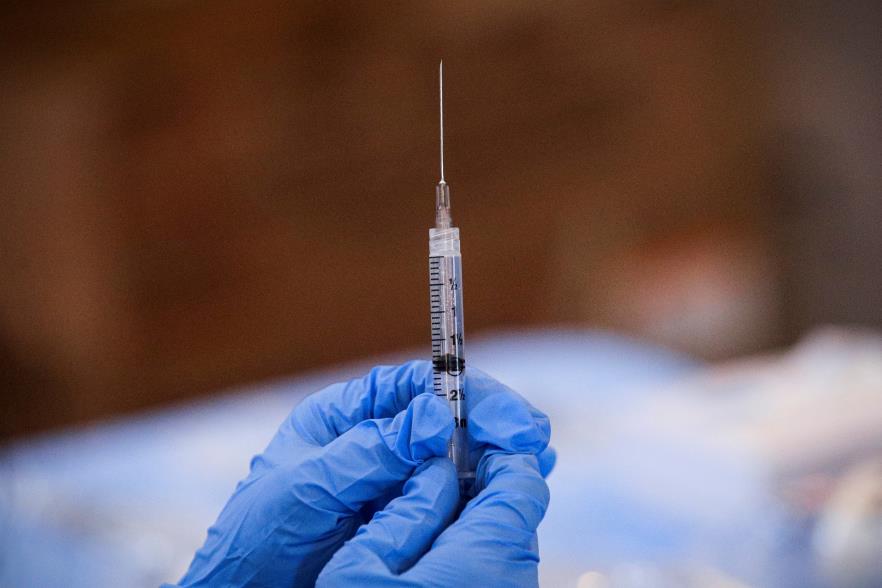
(235, 196)
(201, 194)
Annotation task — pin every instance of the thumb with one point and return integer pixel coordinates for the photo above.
(398, 535)
(374, 456)
(494, 539)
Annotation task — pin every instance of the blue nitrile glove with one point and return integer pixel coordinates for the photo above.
(410, 545)
(341, 455)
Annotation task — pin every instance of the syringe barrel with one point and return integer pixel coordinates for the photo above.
(448, 355)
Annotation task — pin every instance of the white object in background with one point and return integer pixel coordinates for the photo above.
(848, 538)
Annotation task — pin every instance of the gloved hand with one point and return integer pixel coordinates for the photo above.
(492, 543)
(346, 451)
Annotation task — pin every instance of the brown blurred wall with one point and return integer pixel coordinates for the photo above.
(203, 194)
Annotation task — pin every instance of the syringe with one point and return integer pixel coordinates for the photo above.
(445, 300)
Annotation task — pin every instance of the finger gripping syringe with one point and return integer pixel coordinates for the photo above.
(445, 301)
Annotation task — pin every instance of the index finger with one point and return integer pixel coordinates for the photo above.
(382, 393)
(501, 418)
